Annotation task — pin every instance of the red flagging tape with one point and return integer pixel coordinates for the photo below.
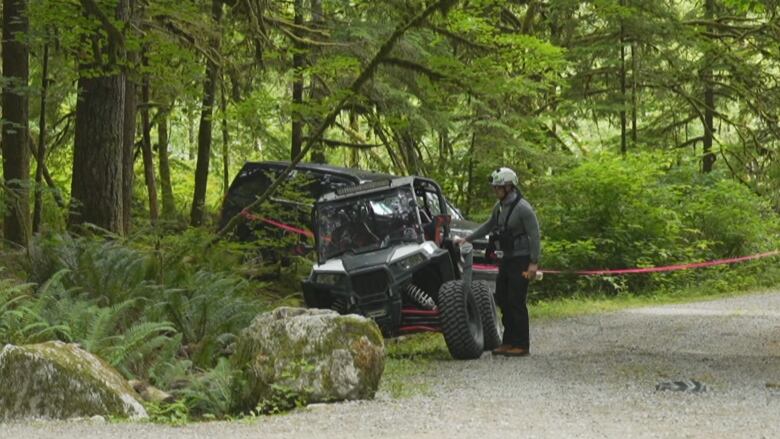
(677, 267)
(252, 217)
(485, 267)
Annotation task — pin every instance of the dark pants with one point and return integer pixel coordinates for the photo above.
(511, 295)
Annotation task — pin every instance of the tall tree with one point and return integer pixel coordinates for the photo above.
(40, 153)
(16, 166)
(97, 184)
(197, 214)
(225, 137)
(316, 92)
(146, 126)
(708, 158)
(297, 85)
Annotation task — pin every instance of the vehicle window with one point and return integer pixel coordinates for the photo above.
(368, 222)
(433, 203)
(324, 183)
(453, 211)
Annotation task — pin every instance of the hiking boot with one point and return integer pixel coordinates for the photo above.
(501, 349)
(515, 351)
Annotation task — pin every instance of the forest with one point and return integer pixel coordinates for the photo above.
(645, 134)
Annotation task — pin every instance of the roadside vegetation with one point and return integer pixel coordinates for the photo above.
(644, 134)
(164, 305)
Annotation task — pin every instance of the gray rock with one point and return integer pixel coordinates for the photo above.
(316, 355)
(54, 380)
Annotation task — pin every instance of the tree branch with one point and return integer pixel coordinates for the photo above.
(354, 88)
(115, 37)
(332, 142)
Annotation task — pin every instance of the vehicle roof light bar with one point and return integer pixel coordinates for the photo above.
(363, 187)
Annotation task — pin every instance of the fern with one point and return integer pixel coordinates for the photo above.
(20, 319)
(133, 346)
(212, 392)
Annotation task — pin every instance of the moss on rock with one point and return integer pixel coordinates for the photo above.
(55, 380)
(315, 354)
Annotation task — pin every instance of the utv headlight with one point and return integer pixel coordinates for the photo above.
(408, 262)
(328, 278)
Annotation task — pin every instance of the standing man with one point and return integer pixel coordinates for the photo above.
(515, 232)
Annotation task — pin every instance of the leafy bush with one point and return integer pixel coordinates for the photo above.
(640, 211)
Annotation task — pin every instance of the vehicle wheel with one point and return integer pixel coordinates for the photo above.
(487, 311)
(461, 322)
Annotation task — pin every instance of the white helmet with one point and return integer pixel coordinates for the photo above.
(503, 176)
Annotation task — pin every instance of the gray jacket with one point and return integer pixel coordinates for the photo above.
(522, 223)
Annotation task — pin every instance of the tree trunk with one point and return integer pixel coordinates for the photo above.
(128, 154)
(97, 182)
(151, 184)
(297, 86)
(168, 204)
(198, 213)
(40, 152)
(16, 156)
(623, 147)
(225, 141)
(128, 144)
(708, 158)
(354, 153)
(316, 93)
(96, 188)
(190, 136)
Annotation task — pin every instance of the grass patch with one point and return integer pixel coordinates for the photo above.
(408, 358)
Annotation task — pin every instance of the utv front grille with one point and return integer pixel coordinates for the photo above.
(371, 283)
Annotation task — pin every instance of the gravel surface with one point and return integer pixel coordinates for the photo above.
(591, 376)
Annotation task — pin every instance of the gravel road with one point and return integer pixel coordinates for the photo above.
(591, 376)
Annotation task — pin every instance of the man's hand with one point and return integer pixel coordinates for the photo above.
(531, 273)
(459, 240)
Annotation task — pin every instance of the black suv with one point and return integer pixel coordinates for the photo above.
(315, 180)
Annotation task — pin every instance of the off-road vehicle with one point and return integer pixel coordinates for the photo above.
(383, 255)
(313, 180)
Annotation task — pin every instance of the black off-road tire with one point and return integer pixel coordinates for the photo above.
(461, 321)
(487, 310)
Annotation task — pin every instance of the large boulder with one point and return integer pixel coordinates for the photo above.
(55, 380)
(314, 355)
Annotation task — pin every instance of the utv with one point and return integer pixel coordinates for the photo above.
(381, 254)
(313, 180)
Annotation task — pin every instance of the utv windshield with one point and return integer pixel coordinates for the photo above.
(363, 224)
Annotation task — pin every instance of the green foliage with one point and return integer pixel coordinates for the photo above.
(282, 399)
(176, 413)
(212, 391)
(613, 212)
(539, 86)
(160, 309)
